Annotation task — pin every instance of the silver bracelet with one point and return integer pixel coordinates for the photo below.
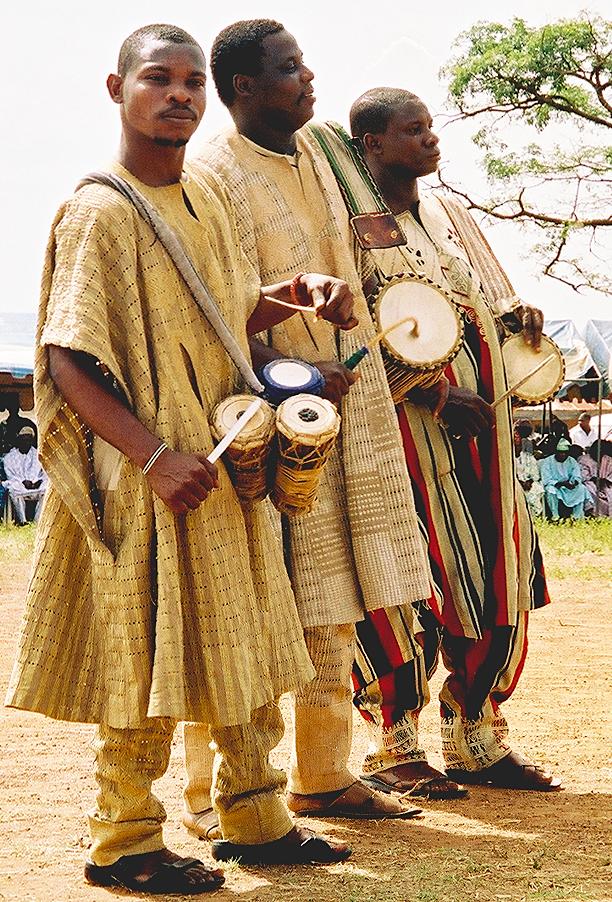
(157, 453)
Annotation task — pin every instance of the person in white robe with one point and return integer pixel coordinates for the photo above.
(25, 478)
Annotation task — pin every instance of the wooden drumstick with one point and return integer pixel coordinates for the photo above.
(357, 356)
(522, 381)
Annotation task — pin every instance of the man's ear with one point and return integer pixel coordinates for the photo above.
(372, 143)
(243, 85)
(114, 83)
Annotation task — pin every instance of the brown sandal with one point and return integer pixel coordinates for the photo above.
(510, 772)
(357, 802)
(430, 784)
(169, 877)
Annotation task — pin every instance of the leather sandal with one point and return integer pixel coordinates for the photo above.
(430, 784)
(511, 772)
(167, 878)
(311, 850)
(203, 824)
(357, 802)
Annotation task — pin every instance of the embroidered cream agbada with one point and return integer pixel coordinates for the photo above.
(360, 548)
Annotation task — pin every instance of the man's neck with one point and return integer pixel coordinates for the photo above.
(400, 192)
(264, 135)
(151, 163)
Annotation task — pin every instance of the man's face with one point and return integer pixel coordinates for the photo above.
(409, 141)
(585, 422)
(561, 456)
(282, 92)
(163, 95)
(24, 443)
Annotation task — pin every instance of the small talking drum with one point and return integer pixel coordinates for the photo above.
(248, 454)
(416, 352)
(285, 377)
(306, 427)
(534, 377)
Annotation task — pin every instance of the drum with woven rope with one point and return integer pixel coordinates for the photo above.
(416, 352)
(534, 377)
(248, 455)
(306, 427)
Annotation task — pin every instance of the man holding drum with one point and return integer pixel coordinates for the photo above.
(360, 548)
(154, 596)
(485, 562)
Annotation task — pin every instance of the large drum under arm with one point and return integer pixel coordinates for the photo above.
(416, 352)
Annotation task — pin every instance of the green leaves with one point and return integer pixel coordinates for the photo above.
(543, 98)
(562, 69)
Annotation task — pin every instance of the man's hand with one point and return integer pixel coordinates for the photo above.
(331, 298)
(182, 481)
(434, 397)
(338, 379)
(465, 413)
(532, 321)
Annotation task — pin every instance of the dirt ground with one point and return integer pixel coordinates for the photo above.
(496, 845)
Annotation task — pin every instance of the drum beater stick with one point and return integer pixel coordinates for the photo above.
(357, 356)
(518, 384)
(236, 429)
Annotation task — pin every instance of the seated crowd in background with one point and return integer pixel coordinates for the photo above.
(22, 479)
(558, 471)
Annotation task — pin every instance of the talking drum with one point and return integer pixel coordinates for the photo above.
(416, 352)
(248, 454)
(286, 377)
(533, 376)
(306, 427)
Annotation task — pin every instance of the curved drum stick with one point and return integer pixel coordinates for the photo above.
(357, 356)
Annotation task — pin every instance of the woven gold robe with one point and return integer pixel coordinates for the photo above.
(141, 613)
(360, 548)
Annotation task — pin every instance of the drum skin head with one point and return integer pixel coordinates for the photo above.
(439, 326)
(289, 374)
(308, 416)
(228, 411)
(520, 358)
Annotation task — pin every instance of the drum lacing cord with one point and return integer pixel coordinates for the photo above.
(298, 473)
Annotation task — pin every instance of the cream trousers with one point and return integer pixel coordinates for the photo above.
(246, 792)
(323, 720)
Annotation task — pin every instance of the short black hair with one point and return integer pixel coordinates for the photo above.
(134, 43)
(372, 111)
(238, 50)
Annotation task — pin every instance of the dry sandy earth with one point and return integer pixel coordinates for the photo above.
(496, 845)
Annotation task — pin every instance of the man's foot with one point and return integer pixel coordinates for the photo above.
(299, 846)
(357, 802)
(512, 772)
(416, 779)
(203, 824)
(157, 873)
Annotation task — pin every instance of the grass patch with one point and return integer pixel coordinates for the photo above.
(16, 542)
(569, 537)
(574, 550)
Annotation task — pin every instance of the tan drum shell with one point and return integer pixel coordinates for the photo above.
(302, 453)
(403, 374)
(247, 458)
(519, 358)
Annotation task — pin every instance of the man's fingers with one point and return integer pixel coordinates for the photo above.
(319, 301)
(533, 323)
(210, 476)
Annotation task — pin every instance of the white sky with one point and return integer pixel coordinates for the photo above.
(58, 122)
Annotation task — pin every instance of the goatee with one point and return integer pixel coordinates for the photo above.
(169, 142)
